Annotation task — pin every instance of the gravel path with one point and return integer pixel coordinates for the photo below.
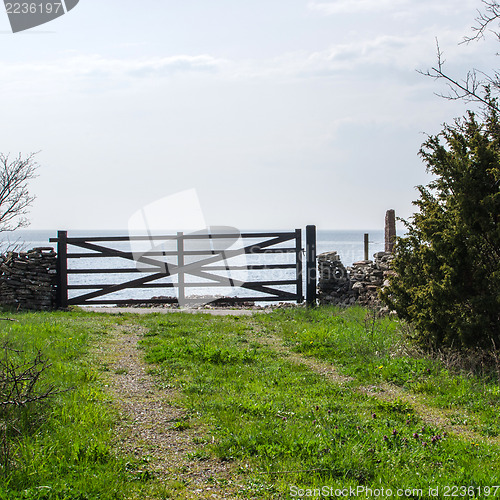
(155, 430)
(166, 310)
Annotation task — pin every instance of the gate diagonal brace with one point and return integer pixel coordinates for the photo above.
(193, 268)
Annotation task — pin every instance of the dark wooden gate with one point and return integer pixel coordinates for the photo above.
(182, 264)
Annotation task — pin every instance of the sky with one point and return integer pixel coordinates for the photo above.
(278, 113)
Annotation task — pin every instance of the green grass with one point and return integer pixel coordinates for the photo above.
(278, 422)
(65, 452)
(376, 351)
(293, 426)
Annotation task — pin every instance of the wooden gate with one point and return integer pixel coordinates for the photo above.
(81, 282)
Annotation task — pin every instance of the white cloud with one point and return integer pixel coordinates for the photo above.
(330, 7)
(90, 67)
(382, 50)
(157, 66)
(353, 6)
(383, 53)
(362, 57)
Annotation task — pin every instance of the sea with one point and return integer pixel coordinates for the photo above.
(349, 244)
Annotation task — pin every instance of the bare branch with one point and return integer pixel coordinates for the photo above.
(14, 195)
(18, 382)
(484, 20)
(474, 88)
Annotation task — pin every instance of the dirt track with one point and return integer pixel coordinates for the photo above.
(166, 310)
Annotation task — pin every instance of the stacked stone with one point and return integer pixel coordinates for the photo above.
(368, 277)
(27, 279)
(359, 284)
(383, 261)
(334, 286)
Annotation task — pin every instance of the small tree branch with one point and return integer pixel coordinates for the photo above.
(468, 89)
(19, 382)
(484, 20)
(15, 199)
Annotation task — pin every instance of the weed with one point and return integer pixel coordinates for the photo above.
(65, 452)
(181, 426)
(22, 394)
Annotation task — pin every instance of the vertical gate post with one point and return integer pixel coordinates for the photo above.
(366, 237)
(62, 269)
(311, 265)
(299, 273)
(180, 263)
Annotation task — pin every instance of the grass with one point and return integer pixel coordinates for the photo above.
(277, 420)
(67, 451)
(292, 426)
(375, 351)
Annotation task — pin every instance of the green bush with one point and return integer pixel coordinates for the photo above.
(447, 281)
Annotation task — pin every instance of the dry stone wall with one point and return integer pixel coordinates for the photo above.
(355, 285)
(27, 279)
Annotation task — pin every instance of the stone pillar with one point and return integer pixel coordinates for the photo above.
(390, 230)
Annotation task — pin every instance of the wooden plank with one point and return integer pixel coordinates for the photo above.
(106, 271)
(158, 253)
(180, 266)
(62, 270)
(311, 265)
(260, 267)
(273, 250)
(257, 267)
(258, 235)
(299, 266)
(74, 301)
(273, 282)
(102, 286)
(173, 300)
(270, 291)
(166, 237)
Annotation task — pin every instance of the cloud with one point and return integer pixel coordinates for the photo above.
(380, 58)
(382, 50)
(400, 7)
(89, 66)
(361, 56)
(167, 66)
(354, 6)
(95, 73)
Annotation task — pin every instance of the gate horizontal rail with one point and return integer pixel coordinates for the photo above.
(154, 267)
